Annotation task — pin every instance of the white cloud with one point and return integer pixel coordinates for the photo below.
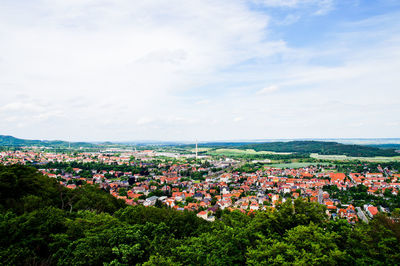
(268, 90)
(21, 107)
(127, 70)
(121, 59)
(145, 120)
(322, 6)
(285, 3)
(203, 101)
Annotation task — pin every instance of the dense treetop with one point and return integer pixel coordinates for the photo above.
(43, 223)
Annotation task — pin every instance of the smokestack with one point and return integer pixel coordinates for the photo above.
(196, 149)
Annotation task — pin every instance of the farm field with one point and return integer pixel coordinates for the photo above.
(346, 158)
(200, 149)
(228, 152)
(289, 165)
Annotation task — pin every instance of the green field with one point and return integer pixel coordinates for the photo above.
(236, 152)
(227, 152)
(346, 158)
(200, 149)
(289, 165)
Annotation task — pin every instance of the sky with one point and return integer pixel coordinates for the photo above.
(122, 70)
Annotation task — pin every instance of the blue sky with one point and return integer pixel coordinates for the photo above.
(207, 70)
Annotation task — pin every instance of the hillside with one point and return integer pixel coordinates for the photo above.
(386, 146)
(298, 147)
(11, 141)
(306, 147)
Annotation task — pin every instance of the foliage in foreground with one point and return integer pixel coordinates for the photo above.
(42, 223)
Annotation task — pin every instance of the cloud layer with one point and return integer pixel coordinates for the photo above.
(182, 70)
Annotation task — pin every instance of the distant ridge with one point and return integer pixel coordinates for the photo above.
(312, 146)
(386, 146)
(295, 146)
(11, 141)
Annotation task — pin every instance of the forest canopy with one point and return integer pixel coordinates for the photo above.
(43, 223)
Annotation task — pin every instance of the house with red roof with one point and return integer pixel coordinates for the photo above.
(372, 211)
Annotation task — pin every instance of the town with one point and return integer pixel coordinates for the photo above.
(209, 185)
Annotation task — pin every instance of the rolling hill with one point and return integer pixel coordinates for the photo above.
(306, 147)
(11, 141)
(299, 146)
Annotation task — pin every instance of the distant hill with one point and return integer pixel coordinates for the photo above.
(299, 146)
(320, 147)
(386, 146)
(11, 141)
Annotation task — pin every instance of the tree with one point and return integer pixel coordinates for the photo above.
(302, 245)
(122, 192)
(42, 222)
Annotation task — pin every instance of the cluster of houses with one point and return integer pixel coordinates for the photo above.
(246, 192)
(35, 156)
